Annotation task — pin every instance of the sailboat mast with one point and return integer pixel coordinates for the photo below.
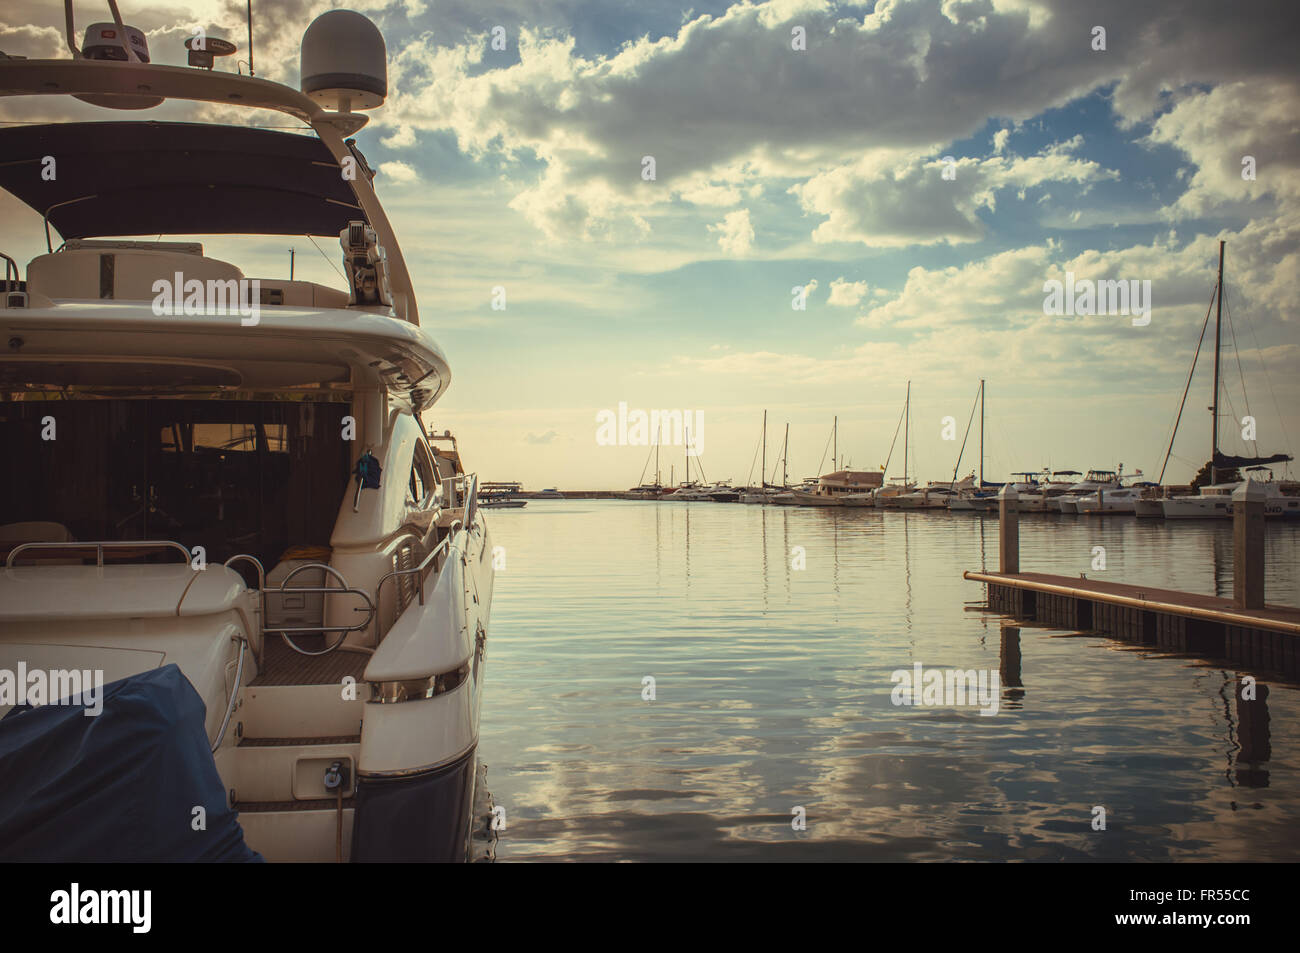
(762, 474)
(981, 433)
(688, 453)
(835, 441)
(658, 440)
(785, 458)
(907, 425)
(1214, 408)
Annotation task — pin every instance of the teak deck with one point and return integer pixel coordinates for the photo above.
(1177, 621)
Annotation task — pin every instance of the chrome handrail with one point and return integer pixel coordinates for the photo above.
(100, 546)
(319, 629)
(261, 594)
(234, 693)
(471, 501)
(18, 275)
(419, 589)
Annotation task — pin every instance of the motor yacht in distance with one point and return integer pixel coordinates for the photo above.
(1281, 500)
(789, 495)
(1121, 499)
(241, 525)
(841, 488)
(1092, 481)
(501, 496)
(935, 495)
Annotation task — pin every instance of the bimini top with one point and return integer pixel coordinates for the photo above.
(177, 178)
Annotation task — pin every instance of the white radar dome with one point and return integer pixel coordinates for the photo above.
(344, 63)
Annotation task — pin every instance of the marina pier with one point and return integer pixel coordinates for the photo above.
(1244, 628)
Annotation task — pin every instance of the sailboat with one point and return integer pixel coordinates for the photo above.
(887, 496)
(1214, 501)
(980, 496)
(785, 495)
(764, 492)
(648, 491)
(833, 488)
(688, 491)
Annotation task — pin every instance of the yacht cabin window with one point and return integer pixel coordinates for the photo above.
(233, 476)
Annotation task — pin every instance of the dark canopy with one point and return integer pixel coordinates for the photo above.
(1224, 461)
(173, 178)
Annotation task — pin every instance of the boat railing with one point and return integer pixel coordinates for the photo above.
(284, 589)
(471, 500)
(424, 565)
(14, 297)
(99, 547)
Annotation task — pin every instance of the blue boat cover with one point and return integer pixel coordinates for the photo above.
(119, 786)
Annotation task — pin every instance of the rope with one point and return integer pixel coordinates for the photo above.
(1190, 374)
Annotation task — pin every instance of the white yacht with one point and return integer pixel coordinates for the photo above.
(220, 501)
(1094, 480)
(789, 496)
(1120, 499)
(840, 488)
(888, 496)
(1281, 500)
(935, 495)
(1212, 502)
(973, 500)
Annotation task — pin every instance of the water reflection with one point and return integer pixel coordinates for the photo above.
(1009, 667)
(1254, 750)
(773, 691)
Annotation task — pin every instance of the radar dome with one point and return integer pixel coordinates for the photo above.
(344, 62)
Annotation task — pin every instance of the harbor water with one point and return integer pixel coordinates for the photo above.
(695, 681)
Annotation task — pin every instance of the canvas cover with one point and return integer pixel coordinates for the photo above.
(120, 786)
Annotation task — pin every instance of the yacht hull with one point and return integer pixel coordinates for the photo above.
(420, 818)
(1193, 508)
(1148, 509)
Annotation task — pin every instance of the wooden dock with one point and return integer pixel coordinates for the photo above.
(1176, 621)
(1244, 628)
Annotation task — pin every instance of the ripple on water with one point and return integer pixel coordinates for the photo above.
(772, 692)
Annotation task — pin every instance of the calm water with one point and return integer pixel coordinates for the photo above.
(773, 691)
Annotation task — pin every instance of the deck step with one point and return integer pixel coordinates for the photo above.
(296, 831)
(299, 711)
(265, 807)
(290, 769)
(299, 742)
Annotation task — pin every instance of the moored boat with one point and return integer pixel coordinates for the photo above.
(278, 573)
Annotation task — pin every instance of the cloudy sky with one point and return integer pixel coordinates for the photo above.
(922, 168)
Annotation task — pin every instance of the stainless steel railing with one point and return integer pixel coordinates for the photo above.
(100, 546)
(234, 694)
(424, 564)
(343, 589)
(471, 501)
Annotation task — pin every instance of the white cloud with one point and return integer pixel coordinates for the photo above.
(883, 201)
(846, 294)
(399, 172)
(735, 233)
